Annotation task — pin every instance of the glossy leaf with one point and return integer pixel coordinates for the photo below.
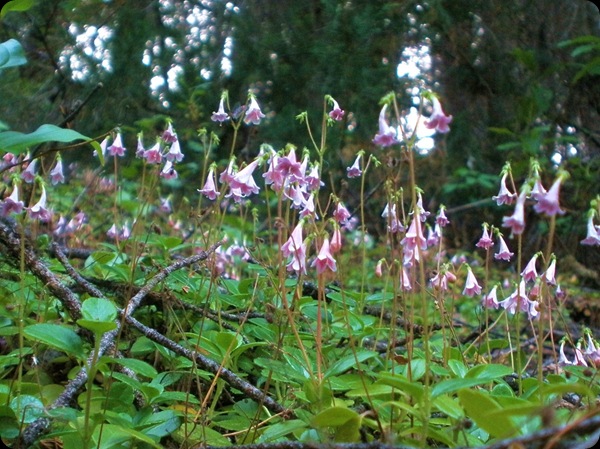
(481, 408)
(478, 375)
(17, 142)
(99, 315)
(27, 408)
(59, 337)
(350, 361)
(16, 6)
(11, 53)
(345, 421)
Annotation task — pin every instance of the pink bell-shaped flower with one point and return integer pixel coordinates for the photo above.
(325, 260)
(438, 120)
(386, 135)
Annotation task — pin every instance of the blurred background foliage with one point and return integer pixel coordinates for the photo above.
(519, 77)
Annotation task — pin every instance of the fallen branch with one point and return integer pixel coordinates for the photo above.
(17, 249)
(11, 239)
(210, 365)
(543, 439)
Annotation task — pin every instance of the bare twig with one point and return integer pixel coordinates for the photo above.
(12, 240)
(87, 286)
(210, 365)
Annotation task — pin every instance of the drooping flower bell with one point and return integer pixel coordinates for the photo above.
(153, 154)
(294, 241)
(517, 300)
(485, 240)
(253, 113)
(168, 171)
(530, 273)
(504, 195)
(592, 238)
(210, 187)
(550, 274)
(165, 205)
(336, 240)
(441, 280)
(308, 208)
(405, 284)
(324, 260)
(103, 146)
(490, 301)
(39, 211)
(28, 174)
(341, 214)
(244, 181)
(516, 222)
(220, 116)
(117, 148)
(313, 179)
(503, 252)
(386, 135)
(174, 154)
(441, 218)
(56, 174)
(438, 119)
(169, 135)
(414, 236)
(295, 248)
(336, 112)
(391, 215)
(472, 287)
(11, 204)
(548, 203)
(354, 171)
(290, 167)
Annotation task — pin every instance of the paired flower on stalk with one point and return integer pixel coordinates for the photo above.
(252, 112)
(438, 120)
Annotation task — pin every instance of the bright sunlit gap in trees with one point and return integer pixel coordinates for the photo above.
(91, 49)
(416, 64)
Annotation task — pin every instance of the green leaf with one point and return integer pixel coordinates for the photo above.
(156, 424)
(210, 437)
(17, 143)
(27, 408)
(401, 383)
(16, 6)
(98, 309)
(137, 366)
(11, 53)
(333, 417)
(502, 131)
(488, 372)
(59, 337)
(99, 315)
(482, 409)
(349, 432)
(349, 361)
(508, 146)
(109, 436)
(9, 424)
(478, 375)
(449, 406)
(580, 40)
(280, 430)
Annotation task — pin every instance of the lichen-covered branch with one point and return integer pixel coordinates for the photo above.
(11, 239)
(210, 365)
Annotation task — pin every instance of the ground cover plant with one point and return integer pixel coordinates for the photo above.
(260, 310)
